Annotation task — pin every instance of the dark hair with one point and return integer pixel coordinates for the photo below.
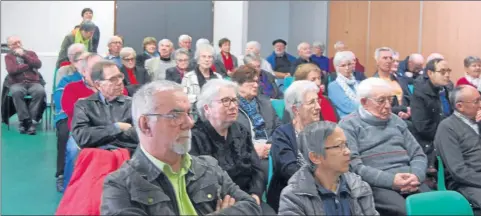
(244, 73)
(454, 95)
(470, 60)
(431, 65)
(223, 41)
(98, 69)
(87, 26)
(314, 136)
(85, 10)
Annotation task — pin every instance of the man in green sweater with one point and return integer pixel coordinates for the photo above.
(383, 151)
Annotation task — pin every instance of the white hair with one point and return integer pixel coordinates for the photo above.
(256, 44)
(366, 87)
(434, 56)
(299, 47)
(338, 43)
(294, 94)
(127, 51)
(201, 41)
(75, 49)
(179, 52)
(351, 53)
(210, 91)
(319, 44)
(184, 37)
(114, 37)
(342, 56)
(165, 40)
(144, 100)
(381, 49)
(204, 48)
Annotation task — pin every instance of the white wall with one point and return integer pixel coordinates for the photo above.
(42, 25)
(230, 20)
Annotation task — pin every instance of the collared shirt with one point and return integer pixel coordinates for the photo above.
(177, 180)
(115, 59)
(338, 202)
(468, 121)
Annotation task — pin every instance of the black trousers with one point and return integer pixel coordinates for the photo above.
(62, 138)
(19, 91)
(389, 202)
(473, 195)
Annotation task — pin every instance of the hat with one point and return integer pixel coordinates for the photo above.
(279, 41)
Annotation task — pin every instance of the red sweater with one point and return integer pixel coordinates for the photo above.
(327, 110)
(464, 81)
(23, 72)
(71, 94)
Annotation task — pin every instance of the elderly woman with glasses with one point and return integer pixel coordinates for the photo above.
(135, 76)
(302, 103)
(176, 74)
(217, 134)
(324, 185)
(343, 90)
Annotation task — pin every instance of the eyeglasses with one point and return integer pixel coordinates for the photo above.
(340, 146)
(383, 100)
(116, 79)
(128, 59)
(444, 71)
(176, 117)
(183, 60)
(227, 101)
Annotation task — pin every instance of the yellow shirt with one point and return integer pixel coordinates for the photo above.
(177, 180)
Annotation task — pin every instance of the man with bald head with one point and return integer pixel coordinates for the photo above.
(304, 51)
(459, 144)
(411, 66)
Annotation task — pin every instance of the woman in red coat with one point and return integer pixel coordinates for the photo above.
(472, 66)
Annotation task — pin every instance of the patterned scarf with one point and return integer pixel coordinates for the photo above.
(257, 121)
(347, 85)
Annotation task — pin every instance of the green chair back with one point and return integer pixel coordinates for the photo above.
(278, 105)
(438, 203)
(441, 181)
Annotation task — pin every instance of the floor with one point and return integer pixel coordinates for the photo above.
(28, 166)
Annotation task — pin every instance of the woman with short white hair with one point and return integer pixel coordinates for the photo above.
(342, 91)
(134, 76)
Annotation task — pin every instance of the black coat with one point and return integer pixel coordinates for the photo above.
(173, 75)
(236, 154)
(140, 74)
(141, 58)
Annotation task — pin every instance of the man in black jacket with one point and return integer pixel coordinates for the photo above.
(459, 144)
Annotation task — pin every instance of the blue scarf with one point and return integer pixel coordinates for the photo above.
(257, 121)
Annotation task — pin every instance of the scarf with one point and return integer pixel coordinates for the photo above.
(200, 77)
(328, 112)
(257, 121)
(266, 86)
(228, 62)
(347, 84)
(475, 81)
(80, 39)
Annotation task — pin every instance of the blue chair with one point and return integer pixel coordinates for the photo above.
(279, 106)
(269, 177)
(287, 82)
(71, 152)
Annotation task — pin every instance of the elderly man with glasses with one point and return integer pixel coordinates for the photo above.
(324, 185)
(384, 153)
(162, 178)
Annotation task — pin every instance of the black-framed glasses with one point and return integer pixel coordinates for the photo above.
(128, 59)
(340, 146)
(116, 79)
(176, 117)
(227, 101)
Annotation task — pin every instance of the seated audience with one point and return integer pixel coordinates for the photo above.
(115, 44)
(156, 67)
(472, 66)
(409, 70)
(135, 75)
(395, 63)
(429, 105)
(342, 91)
(324, 185)
(217, 134)
(194, 80)
(255, 47)
(104, 119)
(176, 74)
(162, 178)
(24, 79)
(302, 103)
(304, 51)
(339, 46)
(318, 57)
(225, 57)
(267, 81)
(87, 15)
(256, 112)
(73, 52)
(185, 42)
(383, 151)
(150, 51)
(359, 76)
(280, 60)
(458, 143)
(83, 36)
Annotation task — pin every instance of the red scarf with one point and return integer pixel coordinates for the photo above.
(130, 73)
(327, 111)
(228, 63)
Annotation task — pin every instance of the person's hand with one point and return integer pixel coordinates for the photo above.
(19, 51)
(225, 203)
(260, 149)
(413, 184)
(401, 180)
(409, 111)
(267, 149)
(478, 116)
(287, 75)
(403, 115)
(124, 126)
(258, 201)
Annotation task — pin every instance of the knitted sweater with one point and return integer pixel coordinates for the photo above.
(382, 148)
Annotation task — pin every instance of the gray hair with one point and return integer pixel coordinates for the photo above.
(256, 44)
(342, 56)
(184, 37)
(127, 51)
(179, 52)
(294, 94)
(302, 44)
(87, 26)
(201, 41)
(250, 57)
(381, 49)
(87, 56)
(470, 60)
(98, 69)
(144, 100)
(366, 87)
(338, 43)
(114, 37)
(313, 137)
(74, 50)
(319, 44)
(210, 91)
(165, 40)
(434, 56)
(203, 48)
